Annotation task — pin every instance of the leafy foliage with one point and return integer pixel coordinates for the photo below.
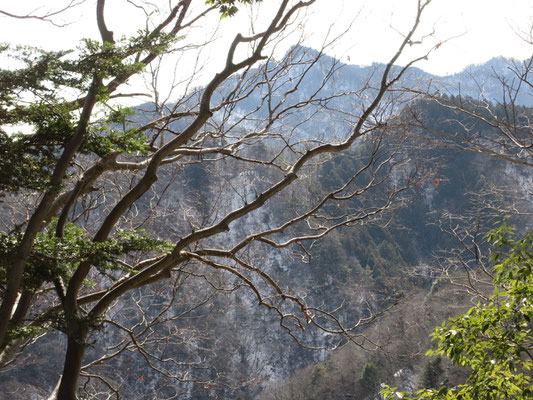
(494, 340)
(56, 257)
(228, 8)
(33, 94)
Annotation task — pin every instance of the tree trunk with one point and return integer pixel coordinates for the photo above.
(77, 339)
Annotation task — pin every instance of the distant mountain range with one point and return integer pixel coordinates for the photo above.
(480, 81)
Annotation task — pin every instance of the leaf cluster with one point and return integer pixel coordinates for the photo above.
(55, 257)
(104, 137)
(228, 8)
(33, 95)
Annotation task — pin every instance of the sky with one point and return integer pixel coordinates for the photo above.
(470, 31)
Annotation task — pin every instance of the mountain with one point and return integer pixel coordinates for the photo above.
(213, 327)
(478, 81)
(484, 81)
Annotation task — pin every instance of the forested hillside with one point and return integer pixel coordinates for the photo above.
(385, 269)
(426, 253)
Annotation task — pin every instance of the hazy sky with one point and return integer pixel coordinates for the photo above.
(477, 29)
